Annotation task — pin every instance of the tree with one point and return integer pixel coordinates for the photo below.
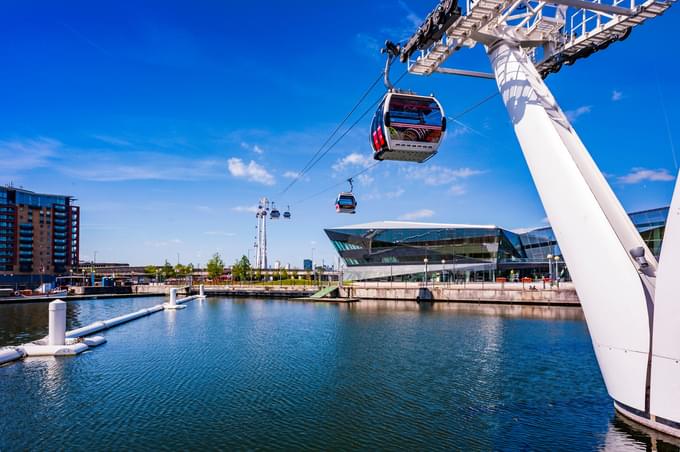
(284, 274)
(167, 271)
(241, 268)
(150, 270)
(215, 266)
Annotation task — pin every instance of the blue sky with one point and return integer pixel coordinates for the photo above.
(168, 121)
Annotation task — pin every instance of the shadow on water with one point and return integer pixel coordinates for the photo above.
(624, 434)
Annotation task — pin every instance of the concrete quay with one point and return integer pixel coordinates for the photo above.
(255, 290)
(496, 293)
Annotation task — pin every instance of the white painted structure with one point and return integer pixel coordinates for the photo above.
(631, 307)
(262, 216)
(57, 323)
(172, 304)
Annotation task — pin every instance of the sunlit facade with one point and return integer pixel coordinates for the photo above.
(399, 250)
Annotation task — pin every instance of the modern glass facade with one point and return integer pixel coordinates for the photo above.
(404, 250)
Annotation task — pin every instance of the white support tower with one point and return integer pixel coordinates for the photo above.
(262, 216)
(631, 304)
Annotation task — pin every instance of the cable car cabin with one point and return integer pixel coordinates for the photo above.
(275, 214)
(346, 203)
(407, 128)
(286, 215)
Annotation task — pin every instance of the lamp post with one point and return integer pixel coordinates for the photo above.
(443, 264)
(550, 275)
(425, 262)
(557, 272)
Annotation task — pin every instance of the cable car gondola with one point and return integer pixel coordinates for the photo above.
(346, 202)
(275, 214)
(406, 127)
(286, 214)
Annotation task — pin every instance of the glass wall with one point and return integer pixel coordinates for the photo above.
(499, 251)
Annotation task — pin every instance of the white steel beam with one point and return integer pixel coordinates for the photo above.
(599, 7)
(607, 281)
(465, 73)
(665, 386)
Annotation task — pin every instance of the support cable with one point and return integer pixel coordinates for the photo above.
(453, 118)
(330, 137)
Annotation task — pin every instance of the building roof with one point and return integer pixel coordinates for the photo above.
(414, 225)
(30, 192)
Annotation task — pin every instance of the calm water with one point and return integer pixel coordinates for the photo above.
(257, 374)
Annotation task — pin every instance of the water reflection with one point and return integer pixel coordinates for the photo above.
(624, 434)
(495, 310)
(25, 322)
(253, 374)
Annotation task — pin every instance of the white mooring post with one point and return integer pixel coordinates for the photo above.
(172, 304)
(201, 290)
(57, 323)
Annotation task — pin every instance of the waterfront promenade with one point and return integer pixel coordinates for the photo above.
(479, 292)
(538, 294)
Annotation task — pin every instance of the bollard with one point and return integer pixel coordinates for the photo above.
(201, 290)
(173, 297)
(57, 323)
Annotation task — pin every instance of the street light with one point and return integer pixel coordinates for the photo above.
(425, 262)
(557, 272)
(443, 264)
(549, 257)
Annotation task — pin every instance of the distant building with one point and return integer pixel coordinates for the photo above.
(307, 264)
(39, 234)
(397, 250)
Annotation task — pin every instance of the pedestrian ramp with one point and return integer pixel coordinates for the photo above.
(330, 291)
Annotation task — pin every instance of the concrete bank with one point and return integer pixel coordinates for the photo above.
(475, 293)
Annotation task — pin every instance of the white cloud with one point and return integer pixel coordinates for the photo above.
(162, 243)
(418, 214)
(617, 96)
(20, 155)
(252, 172)
(112, 140)
(412, 17)
(291, 174)
(351, 160)
(638, 175)
(573, 115)
(367, 45)
(254, 148)
(439, 175)
(365, 179)
(220, 233)
(204, 209)
(114, 167)
(246, 209)
(457, 190)
(384, 194)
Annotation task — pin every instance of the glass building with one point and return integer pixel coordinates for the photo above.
(398, 250)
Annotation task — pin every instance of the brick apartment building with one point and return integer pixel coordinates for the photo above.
(39, 235)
